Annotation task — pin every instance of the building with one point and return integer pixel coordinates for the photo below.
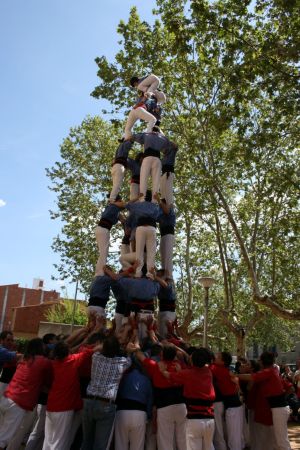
(12, 296)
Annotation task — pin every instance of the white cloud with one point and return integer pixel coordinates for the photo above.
(2, 202)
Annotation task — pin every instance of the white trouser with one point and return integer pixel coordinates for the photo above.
(280, 417)
(130, 428)
(134, 115)
(23, 431)
(200, 434)
(150, 436)
(171, 421)
(145, 236)
(11, 416)
(150, 84)
(151, 165)
(264, 438)
(127, 260)
(163, 318)
(117, 174)
(166, 246)
(118, 321)
(98, 310)
(102, 237)
(60, 429)
(219, 438)
(234, 427)
(246, 436)
(134, 191)
(3, 386)
(36, 438)
(166, 187)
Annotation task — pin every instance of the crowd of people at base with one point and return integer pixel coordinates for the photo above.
(101, 389)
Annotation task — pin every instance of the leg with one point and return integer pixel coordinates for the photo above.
(169, 181)
(280, 417)
(149, 84)
(134, 190)
(104, 415)
(117, 173)
(23, 431)
(131, 119)
(102, 237)
(155, 175)
(88, 425)
(11, 416)
(219, 440)
(36, 437)
(166, 252)
(121, 430)
(137, 429)
(58, 429)
(147, 117)
(180, 426)
(140, 239)
(165, 428)
(127, 260)
(208, 433)
(161, 98)
(234, 427)
(145, 173)
(151, 248)
(163, 318)
(194, 434)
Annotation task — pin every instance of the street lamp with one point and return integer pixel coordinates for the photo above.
(206, 282)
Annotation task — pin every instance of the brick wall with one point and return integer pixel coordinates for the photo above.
(12, 296)
(26, 319)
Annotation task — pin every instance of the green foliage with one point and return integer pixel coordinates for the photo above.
(231, 77)
(64, 312)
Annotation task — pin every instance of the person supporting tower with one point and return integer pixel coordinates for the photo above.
(109, 217)
(139, 111)
(149, 84)
(167, 222)
(167, 177)
(153, 143)
(134, 166)
(119, 167)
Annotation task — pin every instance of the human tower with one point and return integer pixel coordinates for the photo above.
(138, 284)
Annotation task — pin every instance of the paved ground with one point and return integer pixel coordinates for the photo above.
(294, 435)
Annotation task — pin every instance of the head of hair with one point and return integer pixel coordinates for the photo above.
(255, 366)
(156, 129)
(156, 349)
(4, 334)
(133, 80)
(226, 358)
(34, 347)
(200, 357)
(169, 352)
(96, 337)
(47, 338)
(111, 347)
(267, 359)
(61, 350)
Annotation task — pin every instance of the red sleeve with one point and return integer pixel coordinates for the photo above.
(150, 366)
(262, 375)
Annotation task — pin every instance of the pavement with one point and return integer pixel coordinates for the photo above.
(294, 435)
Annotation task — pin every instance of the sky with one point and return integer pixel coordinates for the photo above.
(47, 74)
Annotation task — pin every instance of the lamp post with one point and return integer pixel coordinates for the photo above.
(206, 282)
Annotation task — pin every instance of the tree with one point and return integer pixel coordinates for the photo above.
(231, 78)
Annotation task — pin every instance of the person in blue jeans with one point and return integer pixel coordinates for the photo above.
(99, 407)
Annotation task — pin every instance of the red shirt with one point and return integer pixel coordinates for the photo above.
(198, 390)
(30, 377)
(157, 378)
(270, 380)
(262, 410)
(64, 394)
(223, 380)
